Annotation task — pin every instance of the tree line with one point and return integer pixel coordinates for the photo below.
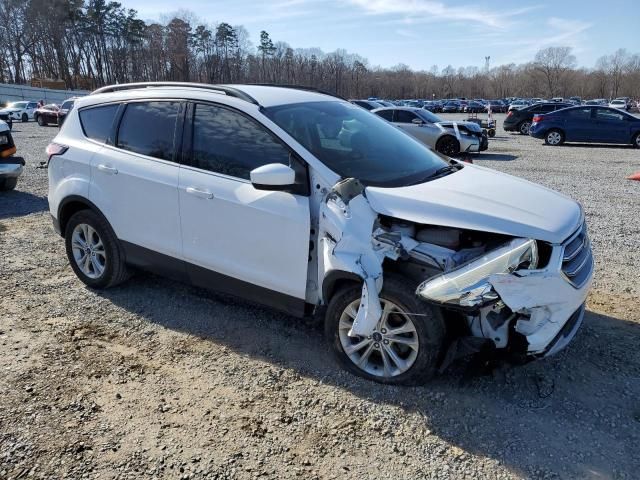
(90, 43)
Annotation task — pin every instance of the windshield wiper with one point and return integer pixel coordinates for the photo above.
(442, 172)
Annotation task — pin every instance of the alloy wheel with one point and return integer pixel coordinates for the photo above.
(524, 128)
(390, 350)
(88, 251)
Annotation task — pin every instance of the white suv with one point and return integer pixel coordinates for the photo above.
(307, 203)
(22, 111)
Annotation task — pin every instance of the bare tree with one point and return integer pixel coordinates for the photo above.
(554, 63)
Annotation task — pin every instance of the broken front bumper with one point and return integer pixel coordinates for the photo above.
(543, 305)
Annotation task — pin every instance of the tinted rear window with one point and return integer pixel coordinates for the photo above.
(97, 121)
(149, 128)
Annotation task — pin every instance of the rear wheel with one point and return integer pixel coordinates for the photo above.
(94, 251)
(8, 183)
(448, 145)
(554, 137)
(404, 348)
(524, 127)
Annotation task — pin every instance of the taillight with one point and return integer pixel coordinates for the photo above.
(538, 118)
(54, 149)
(509, 113)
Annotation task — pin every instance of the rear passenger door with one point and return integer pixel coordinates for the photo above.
(249, 242)
(135, 178)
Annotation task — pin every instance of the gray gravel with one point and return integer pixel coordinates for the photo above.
(159, 380)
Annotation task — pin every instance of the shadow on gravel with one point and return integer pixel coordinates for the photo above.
(576, 415)
(15, 203)
(501, 157)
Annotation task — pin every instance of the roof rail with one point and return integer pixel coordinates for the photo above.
(229, 91)
(299, 87)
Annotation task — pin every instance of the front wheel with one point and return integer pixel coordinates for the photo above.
(554, 137)
(25, 118)
(404, 348)
(448, 145)
(94, 251)
(636, 140)
(40, 121)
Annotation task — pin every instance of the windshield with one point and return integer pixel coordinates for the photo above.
(17, 105)
(428, 116)
(355, 143)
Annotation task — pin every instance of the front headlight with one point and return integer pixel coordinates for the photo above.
(467, 286)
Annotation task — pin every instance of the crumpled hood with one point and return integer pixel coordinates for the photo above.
(477, 198)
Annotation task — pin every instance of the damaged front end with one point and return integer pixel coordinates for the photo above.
(511, 300)
(517, 294)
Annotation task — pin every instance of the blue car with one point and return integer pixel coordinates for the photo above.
(587, 124)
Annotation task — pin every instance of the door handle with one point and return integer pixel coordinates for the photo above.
(199, 193)
(108, 169)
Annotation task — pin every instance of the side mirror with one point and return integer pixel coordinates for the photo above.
(417, 121)
(273, 176)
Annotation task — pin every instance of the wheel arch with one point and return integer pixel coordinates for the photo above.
(337, 279)
(71, 205)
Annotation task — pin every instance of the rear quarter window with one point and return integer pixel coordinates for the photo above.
(97, 121)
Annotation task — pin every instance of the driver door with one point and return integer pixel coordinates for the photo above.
(238, 239)
(408, 121)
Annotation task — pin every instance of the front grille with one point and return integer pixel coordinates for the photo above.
(577, 259)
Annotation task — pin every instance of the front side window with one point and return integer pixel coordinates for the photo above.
(606, 115)
(403, 116)
(97, 121)
(354, 143)
(149, 128)
(227, 142)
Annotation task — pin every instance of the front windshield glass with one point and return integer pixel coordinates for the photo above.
(355, 143)
(428, 116)
(18, 105)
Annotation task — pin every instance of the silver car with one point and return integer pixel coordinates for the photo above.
(447, 137)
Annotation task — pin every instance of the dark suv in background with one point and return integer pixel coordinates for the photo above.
(520, 120)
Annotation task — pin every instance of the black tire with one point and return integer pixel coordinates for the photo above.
(115, 270)
(523, 127)
(40, 121)
(636, 140)
(8, 183)
(429, 327)
(550, 137)
(491, 132)
(25, 118)
(448, 145)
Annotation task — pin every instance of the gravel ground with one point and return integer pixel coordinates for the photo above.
(155, 379)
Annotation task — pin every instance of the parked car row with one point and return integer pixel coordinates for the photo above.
(25, 111)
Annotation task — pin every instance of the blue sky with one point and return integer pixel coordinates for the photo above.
(422, 33)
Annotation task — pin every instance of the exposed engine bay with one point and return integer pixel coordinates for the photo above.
(499, 287)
